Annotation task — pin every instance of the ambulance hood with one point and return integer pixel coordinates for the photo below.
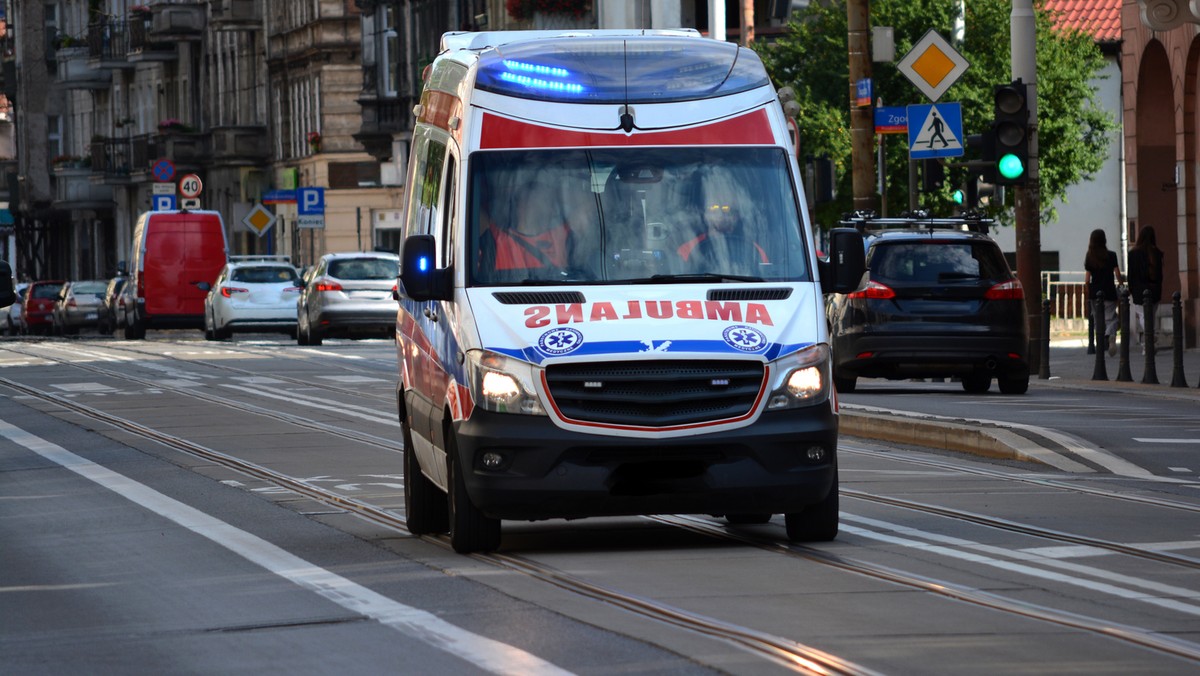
(685, 321)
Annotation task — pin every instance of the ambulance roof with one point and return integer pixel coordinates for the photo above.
(611, 66)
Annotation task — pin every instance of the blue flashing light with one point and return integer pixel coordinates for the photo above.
(538, 83)
(536, 69)
(423, 264)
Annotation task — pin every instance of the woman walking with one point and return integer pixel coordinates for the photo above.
(1102, 274)
(1145, 274)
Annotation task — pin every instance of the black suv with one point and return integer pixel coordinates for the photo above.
(941, 302)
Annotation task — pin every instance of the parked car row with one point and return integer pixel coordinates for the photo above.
(182, 276)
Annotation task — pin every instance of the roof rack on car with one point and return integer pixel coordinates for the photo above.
(867, 221)
(274, 258)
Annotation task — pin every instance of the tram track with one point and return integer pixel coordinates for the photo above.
(778, 650)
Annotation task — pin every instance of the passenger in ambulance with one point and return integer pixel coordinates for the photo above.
(535, 246)
(724, 247)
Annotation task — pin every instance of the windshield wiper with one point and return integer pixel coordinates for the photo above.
(692, 278)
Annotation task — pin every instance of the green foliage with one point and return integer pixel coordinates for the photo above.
(1074, 134)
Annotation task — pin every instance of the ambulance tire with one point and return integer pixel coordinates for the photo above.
(470, 530)
(817, 523)
(134, 329)
(425, 508)
(747, 519)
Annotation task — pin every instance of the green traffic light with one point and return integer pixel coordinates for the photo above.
(959, 197)
(1010, 166)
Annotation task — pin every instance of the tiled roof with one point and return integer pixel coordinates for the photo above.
(1099, 18)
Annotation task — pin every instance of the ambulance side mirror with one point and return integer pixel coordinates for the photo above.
(847, 264)
(420, 279)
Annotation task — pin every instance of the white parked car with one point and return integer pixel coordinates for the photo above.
(252, 293)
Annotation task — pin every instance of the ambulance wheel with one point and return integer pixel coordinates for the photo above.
(425, 507)
(817, 523)
(747, 519)
(470, 530)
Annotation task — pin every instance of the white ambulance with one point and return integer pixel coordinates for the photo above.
(610, 298)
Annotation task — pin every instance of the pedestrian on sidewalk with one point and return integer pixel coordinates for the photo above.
(1102, 274)
(1145, 273)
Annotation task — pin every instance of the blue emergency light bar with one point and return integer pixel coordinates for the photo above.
(581, 69)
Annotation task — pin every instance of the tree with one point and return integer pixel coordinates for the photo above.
(1074, 133)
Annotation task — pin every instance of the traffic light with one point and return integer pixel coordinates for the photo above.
(933, 176)
(1010, 128)
(986, 143)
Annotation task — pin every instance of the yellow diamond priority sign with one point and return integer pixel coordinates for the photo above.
(933, 65)
(260, 219)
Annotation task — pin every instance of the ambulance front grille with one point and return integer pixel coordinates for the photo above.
(655, 393)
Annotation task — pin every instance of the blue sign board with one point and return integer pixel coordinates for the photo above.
(935, 130)
(310, 201)
(278, 196)
(862, 92)
(164, 202)
(164, 170)
(891, 120)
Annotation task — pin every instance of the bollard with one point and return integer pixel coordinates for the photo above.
(1044, 367)
(1177, 379)
(1100, 372)
(1150, 374)
(1123, 373)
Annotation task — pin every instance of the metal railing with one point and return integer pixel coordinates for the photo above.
(1067, 293)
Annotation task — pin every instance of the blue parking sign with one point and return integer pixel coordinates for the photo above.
(310, 201)
(164, 202)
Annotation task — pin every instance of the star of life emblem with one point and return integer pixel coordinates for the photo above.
(745, 338)
(560, 341)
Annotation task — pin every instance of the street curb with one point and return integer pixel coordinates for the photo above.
(989, 442)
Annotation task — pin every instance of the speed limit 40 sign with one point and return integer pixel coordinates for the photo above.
(191, 186)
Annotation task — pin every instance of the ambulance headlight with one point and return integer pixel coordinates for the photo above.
(502, 384)
(801, 378)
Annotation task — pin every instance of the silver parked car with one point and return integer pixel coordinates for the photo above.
(78, 306)
(12, 313)
(348, 294)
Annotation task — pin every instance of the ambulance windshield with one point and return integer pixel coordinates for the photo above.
(630, 215)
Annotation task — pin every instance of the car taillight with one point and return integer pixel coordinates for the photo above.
(72, 303)
(874, 290)
(326, 285)
(1010, 290)
(228, 291)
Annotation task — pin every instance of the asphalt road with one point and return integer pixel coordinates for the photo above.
(177, 506)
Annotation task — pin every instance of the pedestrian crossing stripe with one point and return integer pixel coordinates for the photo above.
(935, 130)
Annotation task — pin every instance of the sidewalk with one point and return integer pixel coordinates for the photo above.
(1070, 365)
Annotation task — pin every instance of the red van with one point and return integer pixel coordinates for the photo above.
(175, 259)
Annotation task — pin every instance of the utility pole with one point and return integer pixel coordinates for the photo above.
(862, 125)
(1027, 197)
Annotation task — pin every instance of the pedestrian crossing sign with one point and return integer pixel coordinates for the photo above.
(935, 130)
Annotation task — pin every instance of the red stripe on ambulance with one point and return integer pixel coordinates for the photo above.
(501, 132)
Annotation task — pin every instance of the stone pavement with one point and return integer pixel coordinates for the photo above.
(1070, 367)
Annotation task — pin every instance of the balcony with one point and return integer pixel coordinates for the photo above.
(177, 21)
(382, 119)
(240, 145)
(112, 160)
(108, 45)
(73, 189)
(144, 47)
(237, 14)
(186, 149)
(75, 73)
